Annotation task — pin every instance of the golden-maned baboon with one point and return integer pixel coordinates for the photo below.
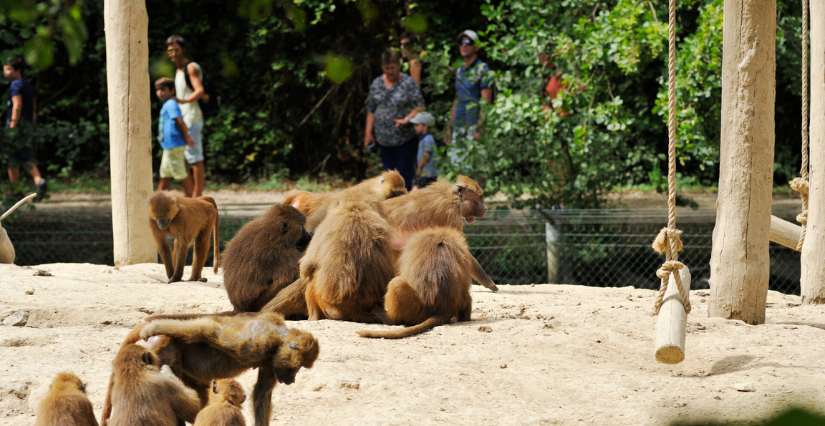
(224, 407)
(388, 184)
(439, 204)
(432, 286)
(348, 263)
(66, 404)
(148, 393)
(263, 257)
(223, 346)
(188, 221)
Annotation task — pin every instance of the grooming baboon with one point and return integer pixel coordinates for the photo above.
(348, 263)
(224, 346)
(388, 184)
(188, 221)
(432, 286)
(224, 407)
(439, 204)
(263, 257)
(66, 404)
(146, 393)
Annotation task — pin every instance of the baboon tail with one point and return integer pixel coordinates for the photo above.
(216, 248)
(428, 324)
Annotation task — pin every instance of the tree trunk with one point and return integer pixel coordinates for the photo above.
(813, 266)
(130, 134)
(739, 263)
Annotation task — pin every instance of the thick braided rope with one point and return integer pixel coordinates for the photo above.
(800, 184)
(668, 239)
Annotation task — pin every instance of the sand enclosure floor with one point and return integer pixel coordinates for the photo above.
(543, 354)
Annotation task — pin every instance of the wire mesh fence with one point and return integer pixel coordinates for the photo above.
(587, 247)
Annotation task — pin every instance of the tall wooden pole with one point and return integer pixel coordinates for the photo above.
(739, 260)
(813, 264)
(130, 134)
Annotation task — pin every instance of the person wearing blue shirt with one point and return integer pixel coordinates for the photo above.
(21, 110)
(174, 137)
(473, 82)
(426, 171)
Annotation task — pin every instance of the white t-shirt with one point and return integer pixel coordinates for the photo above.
(191, 111)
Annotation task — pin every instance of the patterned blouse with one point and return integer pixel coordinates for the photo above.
(392, 103)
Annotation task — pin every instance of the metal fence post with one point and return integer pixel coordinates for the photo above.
(551, 237)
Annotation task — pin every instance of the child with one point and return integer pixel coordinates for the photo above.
(425, 171)
(173, 137)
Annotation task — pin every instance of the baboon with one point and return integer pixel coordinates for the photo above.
(188, 221)
(439, 204)
(224, 407)
(66, 404)
(348, 263)
(388, 184)
(223, 346)
(263, 257)
(148, 393)
(432, 286)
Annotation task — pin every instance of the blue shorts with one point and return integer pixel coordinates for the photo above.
(194, 154)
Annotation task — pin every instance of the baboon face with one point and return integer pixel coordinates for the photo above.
(292, 225)
(286, 375)
(162, 209)
(230, 389)
(470, 193)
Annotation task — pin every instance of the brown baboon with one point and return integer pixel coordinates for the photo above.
(348, 263)
(224, 346)
(432, 286)
(387, 185)
(66, 404)
(188, 221)
(148, 393)
(263, 257)
(224, 407)
(439, 204)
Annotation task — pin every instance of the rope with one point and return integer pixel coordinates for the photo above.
(800, 184)
(668, 239)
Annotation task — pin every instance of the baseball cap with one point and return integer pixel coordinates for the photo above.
(423, 118)
(469, 33)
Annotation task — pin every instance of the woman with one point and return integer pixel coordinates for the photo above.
(394, 99)
(408, 42)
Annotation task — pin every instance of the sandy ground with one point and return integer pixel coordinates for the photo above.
(543, 354)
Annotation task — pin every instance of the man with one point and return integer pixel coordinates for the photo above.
(20, 113)
(187, 95)
(472, 83)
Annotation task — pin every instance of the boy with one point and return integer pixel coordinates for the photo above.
(426, 171)
(173, 136)
(21, 113)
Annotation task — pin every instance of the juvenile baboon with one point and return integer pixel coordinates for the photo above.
(432, 286)
(388, 184)
(224, 407)
(263, 257)
(348, 263)
(439, 204)
(188, 221)
(224, 346)
(66, 404)
(147, 393)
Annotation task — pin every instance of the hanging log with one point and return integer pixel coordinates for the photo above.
(784, 232)
(671, 324)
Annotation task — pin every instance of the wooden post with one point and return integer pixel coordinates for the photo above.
(739, 263)
(551, 238)
(671, 324)
(813, 266)
(130, 134)
(785, 233)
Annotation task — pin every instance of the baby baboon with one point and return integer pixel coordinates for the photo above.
(188, 221)
(66, 404)
(439, 204)
(222, 347)
(146, 393)
(263, 257)
(224, 407)
(387, 185)
(433, 284)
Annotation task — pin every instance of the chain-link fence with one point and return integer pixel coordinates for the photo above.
(588, 247)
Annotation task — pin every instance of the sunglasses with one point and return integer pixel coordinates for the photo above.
(172, 50)
(466, 42)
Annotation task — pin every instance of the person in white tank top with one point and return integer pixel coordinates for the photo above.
(187, 97)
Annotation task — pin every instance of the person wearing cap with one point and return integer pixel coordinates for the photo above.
(473, 83)
(394, 100)
(426, 171)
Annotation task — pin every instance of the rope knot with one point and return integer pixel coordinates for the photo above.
(800, 185)
(669, 267)
(666, 238)
(802, 218)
